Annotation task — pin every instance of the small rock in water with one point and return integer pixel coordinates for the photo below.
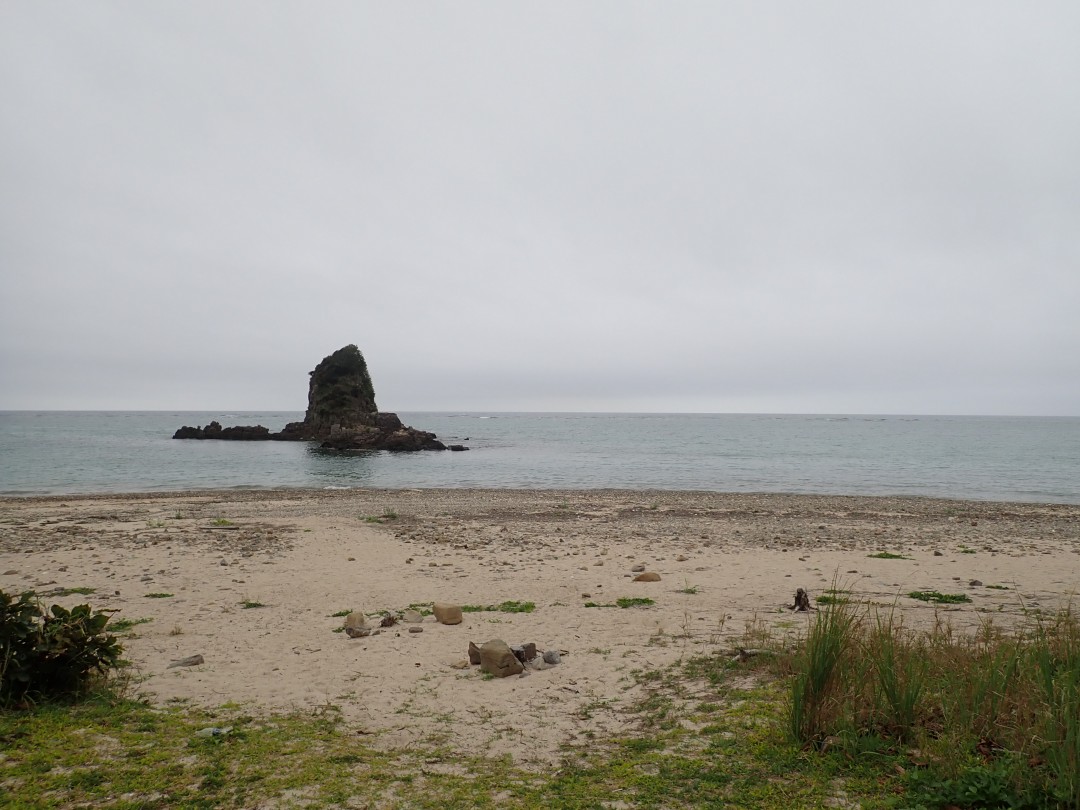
(975, 583)
(552, 657)
(637, 569)
(416, 629)
(190, 661)
(412, 616)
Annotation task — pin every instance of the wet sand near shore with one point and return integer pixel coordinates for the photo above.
(725, 561)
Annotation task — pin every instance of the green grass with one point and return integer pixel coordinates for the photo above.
(158, 595)
(993, 719)
(82, 591)
(340, 613)
(633, 601)
(247, 604)
(221, 522)
(904, 720)
(831, 599)
(939, 598)
(888, 555)
(623, 602)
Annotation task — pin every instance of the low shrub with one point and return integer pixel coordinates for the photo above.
(51, 653)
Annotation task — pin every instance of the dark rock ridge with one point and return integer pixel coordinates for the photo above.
(341, 414)
(214, 430)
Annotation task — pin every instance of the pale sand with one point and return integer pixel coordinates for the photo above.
(308, 554)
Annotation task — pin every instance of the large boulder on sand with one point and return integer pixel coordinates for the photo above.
(497, 658)
(356, 625)
(446, 613)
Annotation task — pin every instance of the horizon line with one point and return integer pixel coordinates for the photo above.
(468, 411)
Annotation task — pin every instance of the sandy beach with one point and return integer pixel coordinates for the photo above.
(725, 562)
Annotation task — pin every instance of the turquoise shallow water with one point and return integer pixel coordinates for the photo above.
(991, 458)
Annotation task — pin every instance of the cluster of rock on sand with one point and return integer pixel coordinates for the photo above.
(494, 657)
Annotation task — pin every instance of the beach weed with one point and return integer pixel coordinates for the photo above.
(515, 606)
(49, 653)
(634, 601)
(831, 599)
(123, 625)
(888, 555)
(820, 675)
(158, 595)
(504, 607)
(221, 522)
(81, 591)
(939, 598)
(248, 604)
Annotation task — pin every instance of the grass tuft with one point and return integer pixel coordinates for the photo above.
(939, 598)
(633, 601)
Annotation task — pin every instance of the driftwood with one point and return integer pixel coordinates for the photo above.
(802, 601)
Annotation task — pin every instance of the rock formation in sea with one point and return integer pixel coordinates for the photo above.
(341, 414)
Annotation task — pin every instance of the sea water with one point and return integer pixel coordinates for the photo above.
(991, 458)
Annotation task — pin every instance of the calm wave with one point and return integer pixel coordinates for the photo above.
(992, 458)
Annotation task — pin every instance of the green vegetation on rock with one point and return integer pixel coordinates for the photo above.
(340, 389)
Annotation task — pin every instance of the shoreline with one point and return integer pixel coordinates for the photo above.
(331, 491)
(728, 562)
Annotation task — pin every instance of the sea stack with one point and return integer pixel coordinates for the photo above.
(341, 413)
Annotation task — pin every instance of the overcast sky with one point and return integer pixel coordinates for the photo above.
(845, 207)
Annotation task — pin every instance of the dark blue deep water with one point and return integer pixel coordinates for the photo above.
(991, 458)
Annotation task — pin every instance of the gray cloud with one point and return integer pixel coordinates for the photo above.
(795, 207)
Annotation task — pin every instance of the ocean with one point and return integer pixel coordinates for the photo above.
(985, 458)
